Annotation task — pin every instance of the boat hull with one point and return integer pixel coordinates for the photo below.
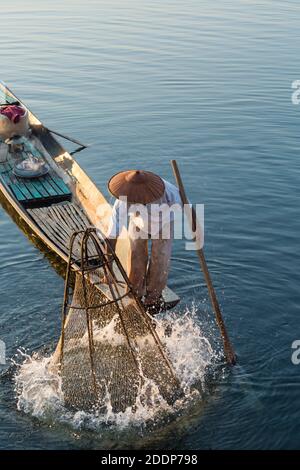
(84, 194)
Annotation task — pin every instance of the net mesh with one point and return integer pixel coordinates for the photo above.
(109, 343)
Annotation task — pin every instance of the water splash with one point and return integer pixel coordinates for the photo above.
(39, 391)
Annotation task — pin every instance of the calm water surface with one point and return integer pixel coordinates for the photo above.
(207, 83)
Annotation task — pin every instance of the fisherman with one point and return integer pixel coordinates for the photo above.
(145, 205)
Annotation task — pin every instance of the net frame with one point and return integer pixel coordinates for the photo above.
(103, 257)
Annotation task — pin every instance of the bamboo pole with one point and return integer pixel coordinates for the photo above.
(228, 349)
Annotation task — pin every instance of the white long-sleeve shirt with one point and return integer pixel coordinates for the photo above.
(149, 219)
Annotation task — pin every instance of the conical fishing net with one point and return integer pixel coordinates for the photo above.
(109, 346)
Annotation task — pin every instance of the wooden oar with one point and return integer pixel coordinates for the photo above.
(71, 139)
(13, 103)
(228, 349)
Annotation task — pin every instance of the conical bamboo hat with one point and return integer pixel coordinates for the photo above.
(140, 187)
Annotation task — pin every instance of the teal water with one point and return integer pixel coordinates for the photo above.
(207, 83)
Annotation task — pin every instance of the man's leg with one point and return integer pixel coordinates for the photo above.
(158, 271)
(137, 265)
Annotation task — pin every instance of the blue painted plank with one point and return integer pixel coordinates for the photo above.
(16, 182)
(61, 184)
(17, 192)
(54, 185)
(51, 191)
(49, 186)
(6, 169)
(39, 187)
(15, 189)
(33, 190)
(24, 189)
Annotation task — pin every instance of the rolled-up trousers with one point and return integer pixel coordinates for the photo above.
(148, 264)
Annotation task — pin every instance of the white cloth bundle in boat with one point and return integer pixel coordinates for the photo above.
(8, 128)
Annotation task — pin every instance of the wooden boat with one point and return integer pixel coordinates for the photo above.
(51, 207)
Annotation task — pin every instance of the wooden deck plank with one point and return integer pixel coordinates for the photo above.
(49, 181)
(14, 188)
(35, 183)
(69, 226)
(71, 212)
(24, 189)
(77, 222)
(57, 224)
(62, 224)
(51, 191)
(62, 230)
(46, 229)
(80, 214)
(30, 191)
(15, 180)
(64, 214)
(54, 185)
(63, 237)
(62, 234)
(40, 187)
(60, 183)
(21, 182)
